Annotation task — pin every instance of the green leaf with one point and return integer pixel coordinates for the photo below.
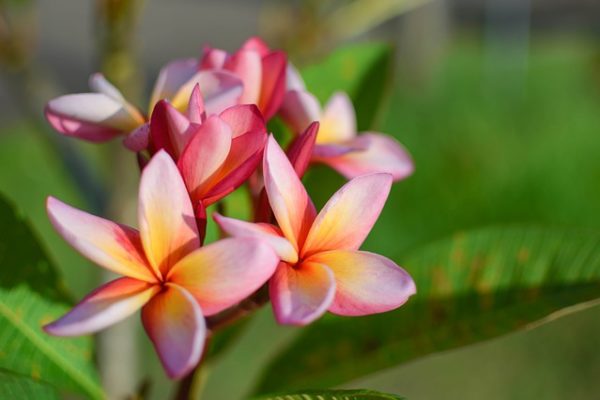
(31, 295)
(471, 287)
(361, 70)
(32, 171)
(330, 395)
(13, 386)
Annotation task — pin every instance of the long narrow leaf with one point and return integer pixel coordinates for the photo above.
(471, 287)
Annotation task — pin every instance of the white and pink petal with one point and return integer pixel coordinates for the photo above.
(373, 152)
(105, 306)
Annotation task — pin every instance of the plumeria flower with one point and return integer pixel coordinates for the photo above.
(105, 114)
(338, 144)
(215, 154)
(322, 268)
(164, 270)
(262, 70)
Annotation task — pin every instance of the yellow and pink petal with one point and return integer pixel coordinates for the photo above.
(166, 218)
(224, 273)
(113, 246)
(170, 79)
(338, 121)
(289, 201)
(220, 90)
(347, 218)
(173, 320)
(267, 233)
(301, 294)
(103, 307)
(366, 283)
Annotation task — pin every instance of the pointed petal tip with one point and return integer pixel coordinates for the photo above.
(373, 152)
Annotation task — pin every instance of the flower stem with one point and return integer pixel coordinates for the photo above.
(191, 386)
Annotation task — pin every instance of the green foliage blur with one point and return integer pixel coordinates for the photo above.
(494, 149)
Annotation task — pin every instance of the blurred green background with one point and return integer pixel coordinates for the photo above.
(498, 101)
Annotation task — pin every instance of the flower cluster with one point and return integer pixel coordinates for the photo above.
(204, 136)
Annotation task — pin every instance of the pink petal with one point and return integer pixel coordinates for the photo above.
(273, 83)
(82, 130)
(381, 153)
(103, 307)
(299, 109)
(234, 174)
(99, 84)
(267, 233)
(338, 122)
(291, 205)
(167, 225)
(224, 273)
(301, 294)
(138, 139)
(219, 89)
(91, 116)
(113, 246)
(301, 150)
(173, 320)
(324, 153)
(204, 155)
(293, 78)
(243, 159)
(347, 218)
(243, 119)
(248, 66)
(195, 111)
(256, 44)
(366, 283)
(171, 78)
(213, 58)
(160, 135)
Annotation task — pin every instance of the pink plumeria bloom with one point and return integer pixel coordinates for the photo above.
(105, 114)
(322, 268)
(215, 154)
(165, 272)
(262, 70)
(338, 144)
